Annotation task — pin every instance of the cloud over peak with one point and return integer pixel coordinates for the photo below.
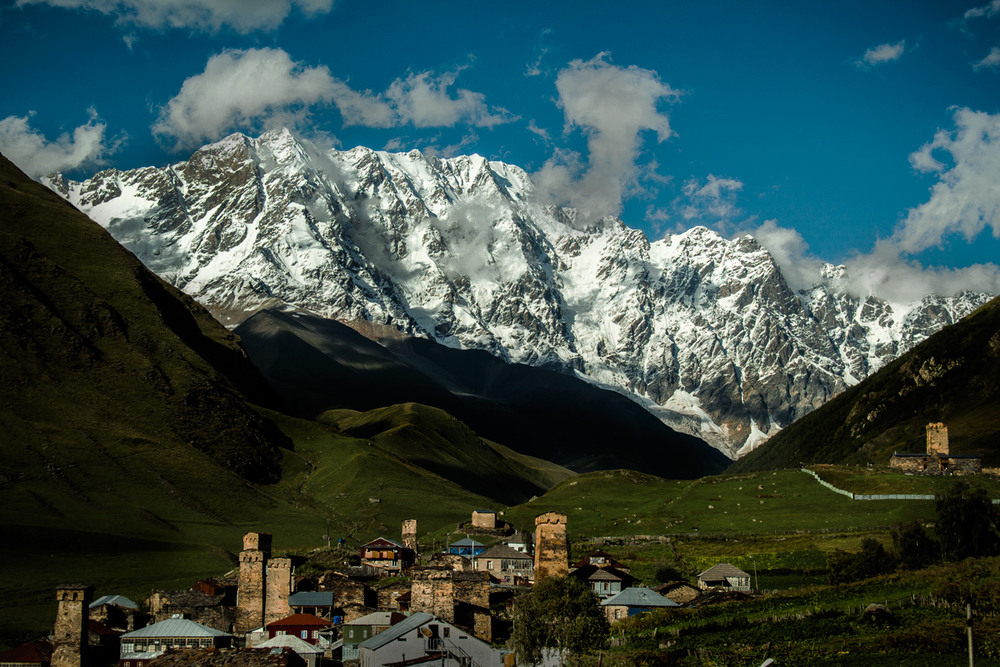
(257, 89)
(37, 156)
(612, 106)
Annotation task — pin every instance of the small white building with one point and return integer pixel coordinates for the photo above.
(425, 638)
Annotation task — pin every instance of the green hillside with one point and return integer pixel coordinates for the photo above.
(952, 377)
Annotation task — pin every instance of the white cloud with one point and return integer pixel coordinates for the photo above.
(612, 105)
(243, 16)
(883, 53)
(242, 89)
(37, 156)
(965, 200)
(263, 88)
(991, 61)
(988, 11)
(423, 100)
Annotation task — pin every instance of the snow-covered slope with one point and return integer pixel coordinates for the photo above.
(703, 330)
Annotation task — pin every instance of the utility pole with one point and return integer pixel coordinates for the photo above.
(968, 625)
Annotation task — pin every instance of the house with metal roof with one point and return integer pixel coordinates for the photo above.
(387, 555)
(312, 655)
(317, 603)
(360, 629)
(505, 563)
(425, 638)
(726, 577)
(307, 627)
(36, 653)
(466, 547)
(632, 601)
(141, 646)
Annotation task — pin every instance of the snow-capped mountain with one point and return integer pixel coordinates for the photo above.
(702, 330)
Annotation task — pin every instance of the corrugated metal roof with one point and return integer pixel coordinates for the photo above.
(503, 551)
(175, 627)
(466, 542)
(311, 599)
(639, 597)
(292, 642)
(722, 571)
(300, 621)
(383, 618)
(395, 632)
(119, 600)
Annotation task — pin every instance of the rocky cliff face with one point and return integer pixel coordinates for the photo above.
(702, 330)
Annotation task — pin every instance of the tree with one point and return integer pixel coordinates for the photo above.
(560, 613)
(913, 547)
(871, 561)
(967, 522)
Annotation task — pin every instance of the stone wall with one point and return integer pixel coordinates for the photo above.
(936, 465)
(551, 545)
(483, 519)
(71, 635)
(937, 439)
(278, 588)
(193, 605)
(409, 534)
(250, 594)
(433, 591)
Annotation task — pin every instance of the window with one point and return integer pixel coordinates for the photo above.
(304, 634)
(489, 565)
(445, 631)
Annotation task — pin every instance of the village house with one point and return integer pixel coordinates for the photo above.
(602, 573)
(632, 601)
(938, 459)
(680, 592)
(506, 564)
(307, 627)
(36, 653)
(484, 519)
(317, 603)
(140, 646)
(423, 638)
(724, 576)
(467, 547)
(215, 611)
(366, 627)
(114, 611)
(519, 542)
(311, 655)
(386, 555)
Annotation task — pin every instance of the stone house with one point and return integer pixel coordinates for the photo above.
(424, 638)
(484, 519)
(214, 611)
(604, 581)
(680, 592)
(140, 646)
(114, 611)
(724, 576)
(506, 564)
(632, 601)
(938, 459)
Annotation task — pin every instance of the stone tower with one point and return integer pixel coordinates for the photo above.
(410, 534)
(551, 545)
(937, 439)
(433, 591)
(250, 594)
(278, 587)
(70, 640)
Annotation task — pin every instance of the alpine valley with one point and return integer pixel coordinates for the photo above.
(703, 331)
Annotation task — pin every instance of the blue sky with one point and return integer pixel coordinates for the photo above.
(864, 133)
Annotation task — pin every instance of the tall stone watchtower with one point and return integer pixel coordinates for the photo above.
(250, 593)
(937, 439)
(70, 640)
(551, 545)
(278, 589)
(410, 534)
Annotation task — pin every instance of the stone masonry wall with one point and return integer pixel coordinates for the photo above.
(433, 591)
(409, 534)
(250, 594)
(551, 545)
(278, 588)
(70, 636)
(937, 439)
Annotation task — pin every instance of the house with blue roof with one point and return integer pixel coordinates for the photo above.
(467, 547)
(632, 601)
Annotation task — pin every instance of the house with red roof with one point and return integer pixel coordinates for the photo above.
(307, 627)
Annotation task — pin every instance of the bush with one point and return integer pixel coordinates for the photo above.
(871, 561)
